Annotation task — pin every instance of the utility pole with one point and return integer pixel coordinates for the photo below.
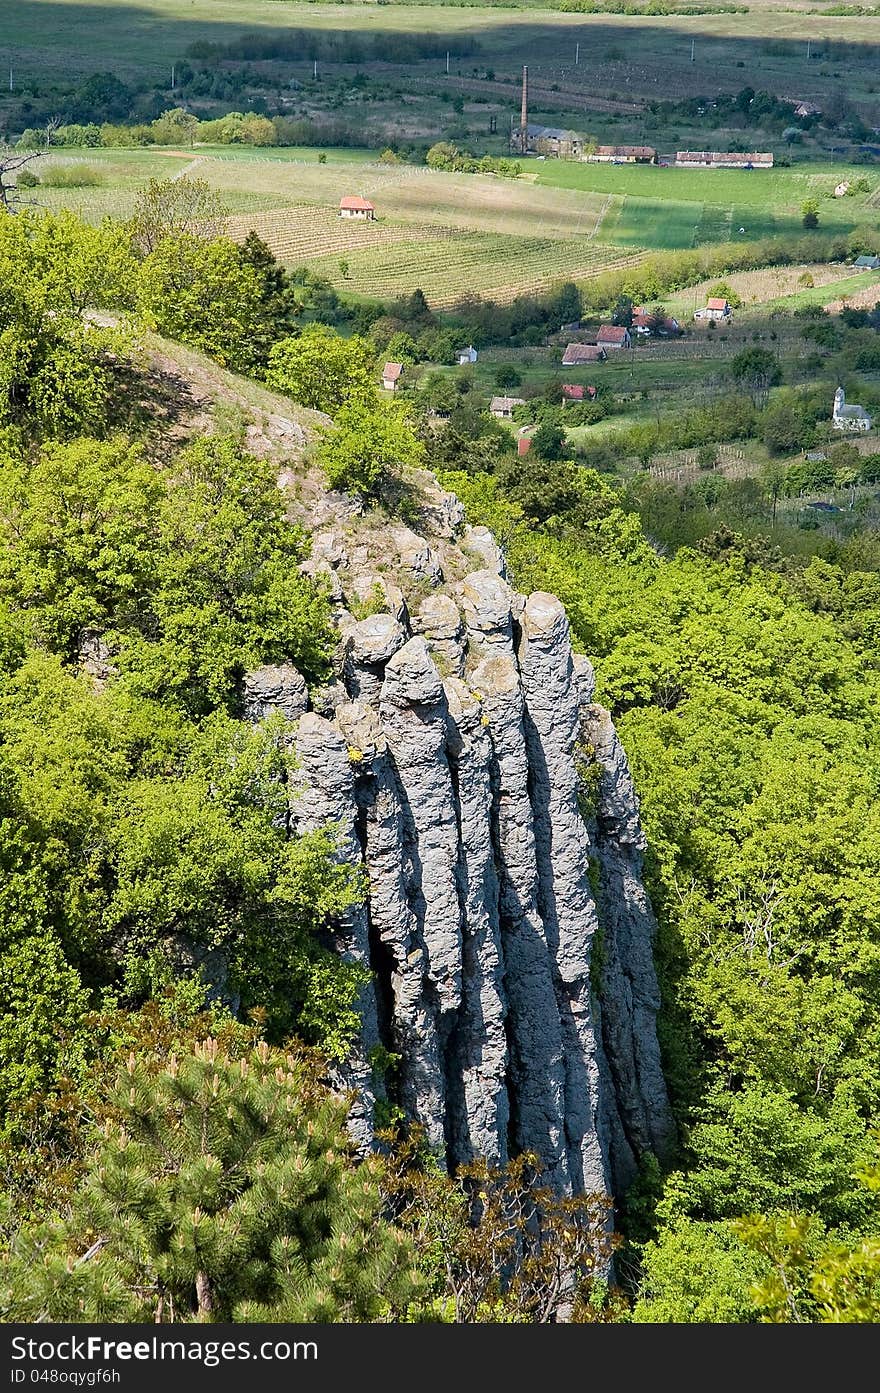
(447, 62)
(693, 46)
(577, 54)
(808, 50)
(172, 77)
(10, 77)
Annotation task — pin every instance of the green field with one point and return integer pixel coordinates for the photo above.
(628, 58)
(450, 234)
(453, 234)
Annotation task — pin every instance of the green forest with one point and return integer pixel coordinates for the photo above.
(171, 1146)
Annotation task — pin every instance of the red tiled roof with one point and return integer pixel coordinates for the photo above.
(611, 333)
(715, 303)
(572, 391)
(355, 203)
(581, 353)
(392, 371)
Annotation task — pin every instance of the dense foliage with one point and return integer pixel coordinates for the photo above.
(748, 706)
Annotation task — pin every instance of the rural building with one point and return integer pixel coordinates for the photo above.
(644, 322)
(467, 355)
(716, 309)
(391, 376)
(572, 391)
(577, 353)
(842, 189)
(849, 418)
(612, 337)
(623, 154)
(548, 140)
(502, 407)
(353, 206)
(807, 109)
(717, 159)
(867, 263)
(523, 440)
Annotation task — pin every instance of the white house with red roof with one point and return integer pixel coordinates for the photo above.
(353, 206)
(716, 308)
(391, 376)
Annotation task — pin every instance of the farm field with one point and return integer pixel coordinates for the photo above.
(450, 234)
(776, 287)
(152, 33)
(453, 234)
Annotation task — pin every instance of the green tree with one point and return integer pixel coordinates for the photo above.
(548, 441)
(221, 1188)
(507, 378)
(757, 370)
(812, 1278)
(174, 208)
(175, 127)
(368, 445)
(321, 369)
(206, 294)
(810, 213)
(56, 368)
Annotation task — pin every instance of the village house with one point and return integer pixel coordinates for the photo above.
(717, 159)
(867, 263)
(391, 376)
(623, 154)
(645, 322)
(467, 355)
(577, 353)
(849, 418)
(842, 189)
(573, 391)
(716, 308)
(548, 140)
(803, 109)
(353, 206)
(502, 407)
(613, 337)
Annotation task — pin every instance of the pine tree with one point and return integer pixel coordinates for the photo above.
(221, 1188)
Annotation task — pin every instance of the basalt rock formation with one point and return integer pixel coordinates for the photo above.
(509, 936)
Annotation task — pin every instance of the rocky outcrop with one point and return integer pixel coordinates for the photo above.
(461, 758)
(275, 688)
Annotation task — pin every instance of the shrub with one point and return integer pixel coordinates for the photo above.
(72, 176)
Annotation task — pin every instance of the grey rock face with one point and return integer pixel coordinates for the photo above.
(480, 541)
(95, 658)
(324, 793)
(367, 587)
(562, 852)
(480, 1108)
(415, 553)
(537, 1063)
(487, 603)
(370, 645)
(275, 687)
(439, 619)
(442, 511)
(490, 805)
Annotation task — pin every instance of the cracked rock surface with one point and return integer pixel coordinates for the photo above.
(459, 754)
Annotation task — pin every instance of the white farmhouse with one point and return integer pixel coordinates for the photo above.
(849, 418)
